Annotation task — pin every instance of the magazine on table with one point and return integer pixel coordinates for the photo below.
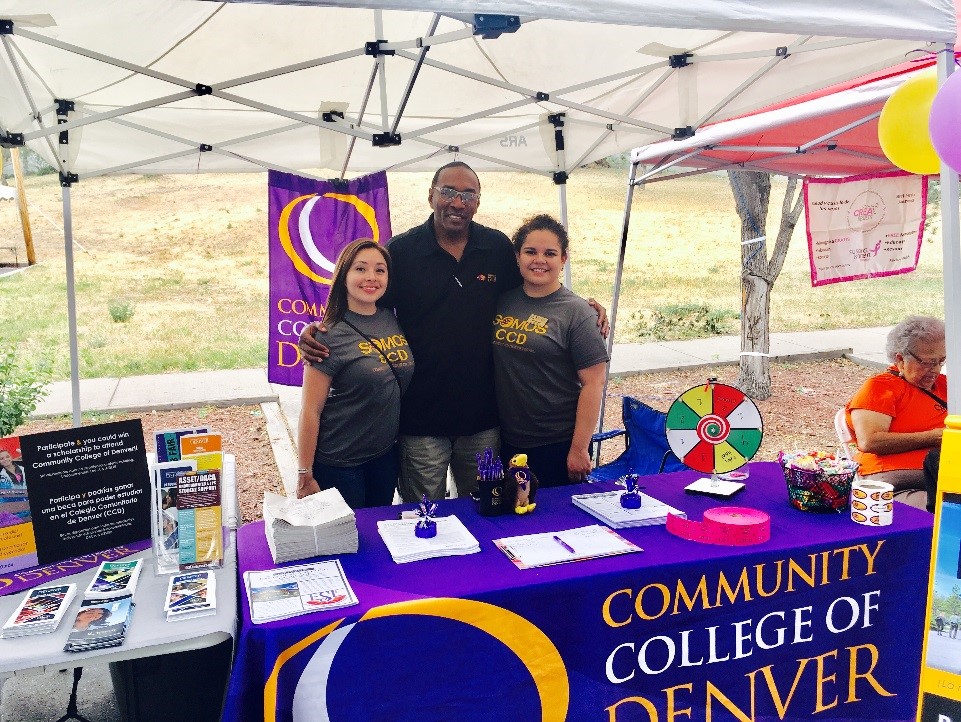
(301, 589)
(190, 595)
(100, 623)
(586, 542)
(40, 611)
(115, 579)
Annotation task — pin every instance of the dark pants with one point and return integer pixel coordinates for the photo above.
(369, 484)
(548, 462)
(932, 461)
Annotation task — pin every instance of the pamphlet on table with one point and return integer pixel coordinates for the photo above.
(206, 449)
(291, 591)
(40, 611)
(199, 519)
(190, 595)
(115, 579)
(100, 623)
(452, 539)
(168, 442)
(317, 525)
(586, 542)
(166, 533)
(607, 507)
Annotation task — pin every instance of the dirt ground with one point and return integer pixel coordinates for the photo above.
(799, 415)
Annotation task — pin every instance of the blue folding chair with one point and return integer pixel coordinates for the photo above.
(646, 449)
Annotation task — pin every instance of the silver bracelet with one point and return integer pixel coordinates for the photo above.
(303, 471)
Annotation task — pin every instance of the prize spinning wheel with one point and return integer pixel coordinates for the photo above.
(714, 428)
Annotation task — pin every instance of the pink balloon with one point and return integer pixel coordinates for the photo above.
(945, 121)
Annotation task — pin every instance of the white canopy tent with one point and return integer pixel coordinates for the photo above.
(834, 134)
(165, 86)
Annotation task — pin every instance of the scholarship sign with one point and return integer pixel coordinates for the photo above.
(81, 491)
(864, 226)
(941, 670)
(309, 223)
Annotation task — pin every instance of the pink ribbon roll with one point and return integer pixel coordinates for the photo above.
(725, 525)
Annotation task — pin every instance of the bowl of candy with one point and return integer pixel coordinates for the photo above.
(817, 481)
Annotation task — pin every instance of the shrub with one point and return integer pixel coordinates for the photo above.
(21, 386)
(680, 321)
(121, 310)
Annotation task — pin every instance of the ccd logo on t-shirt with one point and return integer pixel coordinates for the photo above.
(393, 348)
(514, 331)
(489, 277)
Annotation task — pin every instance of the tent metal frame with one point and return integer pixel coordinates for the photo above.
(386, 128)
(950, 228)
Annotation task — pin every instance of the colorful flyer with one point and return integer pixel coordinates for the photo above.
(200, 519)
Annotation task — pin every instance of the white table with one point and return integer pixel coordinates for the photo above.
(149, 633)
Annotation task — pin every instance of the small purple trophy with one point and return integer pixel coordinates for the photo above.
(631, 499)
(426, 527)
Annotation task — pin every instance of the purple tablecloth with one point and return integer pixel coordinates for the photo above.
(825, 619)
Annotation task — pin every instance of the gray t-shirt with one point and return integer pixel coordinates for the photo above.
(539, 346)
(362, 413)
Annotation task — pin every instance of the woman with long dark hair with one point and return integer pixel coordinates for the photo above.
(351, 400)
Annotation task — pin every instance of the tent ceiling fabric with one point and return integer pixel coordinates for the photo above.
(132, 69)
(841, 129)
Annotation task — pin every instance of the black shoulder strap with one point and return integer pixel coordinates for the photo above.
(374, 345)
(923, 391)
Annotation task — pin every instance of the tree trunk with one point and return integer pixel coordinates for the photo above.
(754, 378)
(752, 195)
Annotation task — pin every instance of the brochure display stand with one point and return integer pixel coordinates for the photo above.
(188, 501)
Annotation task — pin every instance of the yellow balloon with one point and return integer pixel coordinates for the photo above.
(903, 126)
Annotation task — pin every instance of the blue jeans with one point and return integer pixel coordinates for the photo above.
(548, 462)
(369, 484)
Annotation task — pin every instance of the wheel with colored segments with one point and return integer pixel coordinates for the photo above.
(714, 428)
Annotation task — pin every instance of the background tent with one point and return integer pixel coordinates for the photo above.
(162, 86)
(832, 132)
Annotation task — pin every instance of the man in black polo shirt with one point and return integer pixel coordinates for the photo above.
(444, 284)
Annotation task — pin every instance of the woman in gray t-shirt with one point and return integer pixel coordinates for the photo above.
(350, 411)
(549, 360)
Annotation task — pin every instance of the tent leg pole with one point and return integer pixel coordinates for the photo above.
(562, 210)
(71, 304)
(951, 240)
(625, 224)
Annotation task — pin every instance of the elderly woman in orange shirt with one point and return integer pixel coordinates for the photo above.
(898, 416)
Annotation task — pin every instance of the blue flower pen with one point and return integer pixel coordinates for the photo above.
(426, 527)
(631, 498)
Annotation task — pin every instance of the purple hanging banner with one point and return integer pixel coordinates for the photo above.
(309, 223)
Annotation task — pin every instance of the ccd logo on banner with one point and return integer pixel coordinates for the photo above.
(287, 352)
(312, 251)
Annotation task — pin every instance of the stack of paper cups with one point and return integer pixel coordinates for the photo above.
(872, 502)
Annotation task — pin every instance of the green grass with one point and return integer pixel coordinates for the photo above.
(189, 253)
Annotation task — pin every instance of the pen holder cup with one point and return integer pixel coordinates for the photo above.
(490, 497)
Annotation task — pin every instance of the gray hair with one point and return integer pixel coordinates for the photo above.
(913, 328)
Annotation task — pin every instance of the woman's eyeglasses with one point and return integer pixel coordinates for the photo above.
(466, 197)
(936, 364)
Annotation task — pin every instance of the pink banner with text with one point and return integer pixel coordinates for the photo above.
(864, 226)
